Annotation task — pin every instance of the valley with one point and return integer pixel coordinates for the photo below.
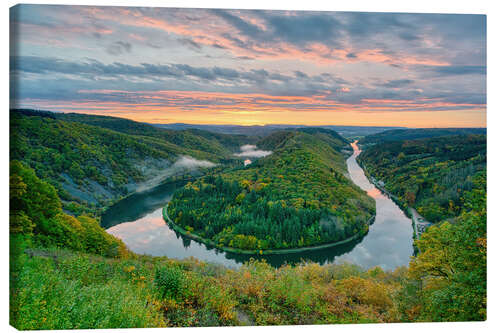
(302, 218)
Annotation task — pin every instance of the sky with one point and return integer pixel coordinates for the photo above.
(249, 67)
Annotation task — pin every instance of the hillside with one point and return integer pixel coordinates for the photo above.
(298, 196)
(418, 133)
(94, 160)
(215, 143)
(445, 180)
(429, 174)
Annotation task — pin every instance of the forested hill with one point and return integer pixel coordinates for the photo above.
(215, 143)
(279, 139)
(94, 160)
(418, 133)
(445, 179)
(429, 174)
(300, 195)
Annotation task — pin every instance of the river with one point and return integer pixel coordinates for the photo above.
(138, 221)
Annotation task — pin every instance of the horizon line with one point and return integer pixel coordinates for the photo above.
(241, 125)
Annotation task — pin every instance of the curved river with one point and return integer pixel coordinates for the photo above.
(138, 221)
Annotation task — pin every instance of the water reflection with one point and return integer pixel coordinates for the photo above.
(151, 235)
(139, 205)
(388, 244)
(138, 221)
(321, 257)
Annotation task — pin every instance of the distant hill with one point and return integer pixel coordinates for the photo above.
(418, 133)
(278, 139)
(265, 130)
(192, 138)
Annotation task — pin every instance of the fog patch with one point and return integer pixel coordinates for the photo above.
(252, 151)
(183, 164)
(188, 162)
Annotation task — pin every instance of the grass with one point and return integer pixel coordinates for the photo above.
(59, 289)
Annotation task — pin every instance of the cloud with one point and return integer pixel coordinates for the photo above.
(305, 28)
(147, 76)
(246, 61)
(313, 36)
(361, 25)
(397, 83)
(300, 74)
(32, 64)
(246, 148)
(244, 27)
(457, 70)
(183, 162)
(190, 43)
(118, 48)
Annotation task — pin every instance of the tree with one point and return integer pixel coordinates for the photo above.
(452, 264)
(410, 198)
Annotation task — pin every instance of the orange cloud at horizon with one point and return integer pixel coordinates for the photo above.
(247, 114)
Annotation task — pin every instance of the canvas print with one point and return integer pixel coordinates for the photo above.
(222, 167)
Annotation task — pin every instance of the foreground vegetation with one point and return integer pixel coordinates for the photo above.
(298, 196)
(67, 272)
(66, 290)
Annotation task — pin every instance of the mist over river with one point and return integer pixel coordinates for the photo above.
(138, 221)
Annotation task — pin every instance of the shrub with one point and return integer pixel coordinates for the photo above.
(170, 281)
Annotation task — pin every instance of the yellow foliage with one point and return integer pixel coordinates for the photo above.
(367, 292)
(129, 269)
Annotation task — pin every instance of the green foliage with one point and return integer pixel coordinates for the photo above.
(35, 213)
(192, 139)
(298, 196)
(79, 292)
(434, 173)
(66, 272)
(313, 294)
(452, 264)
(170, 281)
(445, 179)
(418, 133)
(21, 223)
(57, 289)
(36, 198)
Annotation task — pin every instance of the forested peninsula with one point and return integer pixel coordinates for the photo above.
(298, 196)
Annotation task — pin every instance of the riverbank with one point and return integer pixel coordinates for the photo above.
(211, 243)
(419, 224)
(404, 208)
